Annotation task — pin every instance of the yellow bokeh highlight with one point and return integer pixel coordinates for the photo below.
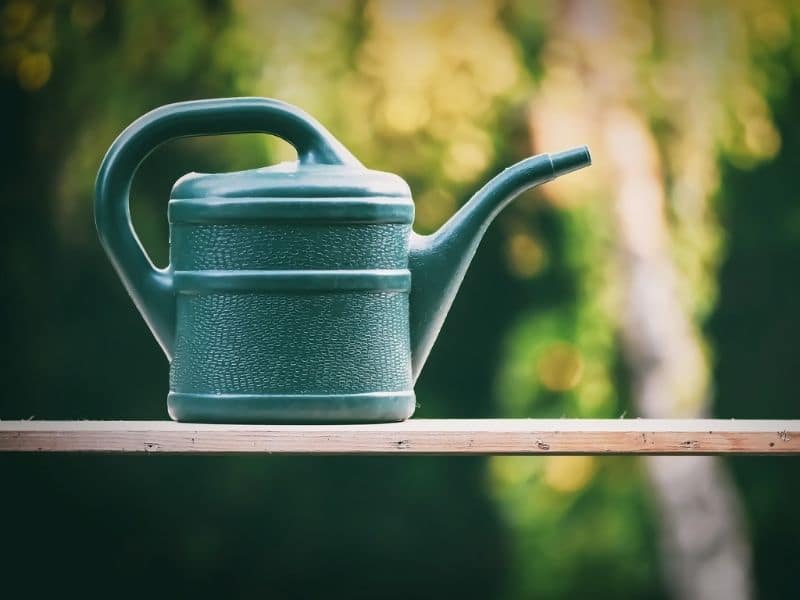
(466, 159)
(438, 66)
(16, 17)
(526, 256)
(560, 367)
(773, 28)
(568, 474)
(405, 113)
(761, 137)
(34, 70)
(514, 470)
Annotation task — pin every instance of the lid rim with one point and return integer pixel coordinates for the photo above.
(299, 181)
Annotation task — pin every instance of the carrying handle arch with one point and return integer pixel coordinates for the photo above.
(152, 288)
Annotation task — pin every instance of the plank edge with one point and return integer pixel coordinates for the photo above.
(416, 437)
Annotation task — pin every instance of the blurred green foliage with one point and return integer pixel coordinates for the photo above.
(444, 95)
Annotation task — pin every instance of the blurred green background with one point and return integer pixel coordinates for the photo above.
(661, 282)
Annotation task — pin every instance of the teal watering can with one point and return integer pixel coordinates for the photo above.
(296, 293)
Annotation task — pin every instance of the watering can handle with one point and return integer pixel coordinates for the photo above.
(150, 287)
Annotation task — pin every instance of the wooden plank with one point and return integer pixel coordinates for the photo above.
(417, 436)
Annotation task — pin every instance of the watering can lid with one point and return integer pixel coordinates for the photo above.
(294, 180)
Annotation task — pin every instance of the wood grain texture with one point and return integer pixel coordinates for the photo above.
(417, 436)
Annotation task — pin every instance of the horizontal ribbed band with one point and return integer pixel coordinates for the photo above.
(343, 210)
(206, 282)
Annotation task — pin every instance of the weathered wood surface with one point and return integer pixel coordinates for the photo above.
(418, 436)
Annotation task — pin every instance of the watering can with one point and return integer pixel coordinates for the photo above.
(295, 293)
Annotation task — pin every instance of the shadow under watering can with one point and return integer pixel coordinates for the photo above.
(296, 293)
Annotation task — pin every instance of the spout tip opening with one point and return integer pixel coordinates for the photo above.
(571, 160)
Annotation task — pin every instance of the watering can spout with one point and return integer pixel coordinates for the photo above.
(438, 262)
(570, 160)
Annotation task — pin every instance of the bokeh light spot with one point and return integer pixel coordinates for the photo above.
(568, 474)
(465, 159)
(34, 70)
(526, 256)
(560, 367)
(405, 113)
(16, 17)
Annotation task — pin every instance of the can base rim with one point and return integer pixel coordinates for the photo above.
(374, 407)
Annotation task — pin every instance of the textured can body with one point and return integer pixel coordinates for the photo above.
(285, 317)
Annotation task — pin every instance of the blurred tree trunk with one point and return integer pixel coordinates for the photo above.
(703, 543)
(597, 55)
